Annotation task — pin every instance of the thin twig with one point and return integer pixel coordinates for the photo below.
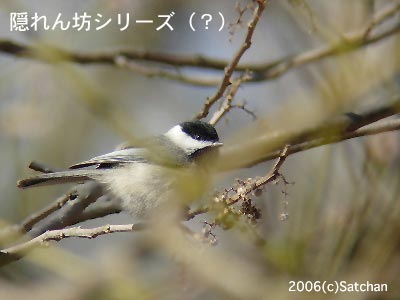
(381, 16)
(227, 104)
(230, 68)
(73, 203)
(89, 193)
(239, 21)
(16, 252)
(243, 107)
(34, 218)
(272, 176)
(192, 214)
(13, 231)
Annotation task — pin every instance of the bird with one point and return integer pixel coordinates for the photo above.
(170, 166)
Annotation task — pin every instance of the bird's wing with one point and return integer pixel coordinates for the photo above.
(128, 155)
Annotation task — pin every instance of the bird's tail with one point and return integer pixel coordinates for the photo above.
(59, 178)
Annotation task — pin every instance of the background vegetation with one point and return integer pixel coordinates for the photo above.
(281, 78)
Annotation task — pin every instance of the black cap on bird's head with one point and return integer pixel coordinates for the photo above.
(192, 136)
(200, 131)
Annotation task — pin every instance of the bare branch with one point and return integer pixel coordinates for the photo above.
(98, 210)
(273, 175)
(16, 252)
(29, 222)
(339, 129)
(239, 21)
(260, 71)
(235, 157)
(227, 105)
(163, 72)
(259, 183)
(192, 214)
(55, 55)
(381, 127)
(380, 17)
(87, 193)
(230, 68)
(351, 43)
(12, 232)
(246, 188)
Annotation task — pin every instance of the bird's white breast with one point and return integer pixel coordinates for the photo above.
(140, 187)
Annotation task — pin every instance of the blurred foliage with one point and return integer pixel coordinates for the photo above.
(344, 208)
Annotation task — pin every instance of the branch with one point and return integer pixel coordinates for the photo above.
(87, 193)
(34, 218)
(261, 182)
(336, 130)
(230, 68)
(237, 156)
(381, 16)
(199, 211)
(227, 105)
(273, 175)
(242, 106)
(260, 72)
(349, 42)
(12, 232)
(381, 127)
(55, 55)
(246, 188)
(16, 252)
(73, 205)
(99, 210)
(162, 72)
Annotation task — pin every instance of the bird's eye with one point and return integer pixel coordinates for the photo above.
(197, 136)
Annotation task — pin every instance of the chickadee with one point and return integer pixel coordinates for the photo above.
(143, 178)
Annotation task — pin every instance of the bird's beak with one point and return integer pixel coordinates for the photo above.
(217, 144)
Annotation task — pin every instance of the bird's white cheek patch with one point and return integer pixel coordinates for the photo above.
(184, 141)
